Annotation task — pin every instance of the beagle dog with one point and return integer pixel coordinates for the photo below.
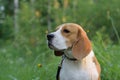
(79, 61)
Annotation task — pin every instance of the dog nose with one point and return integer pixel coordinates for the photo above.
(50, 36)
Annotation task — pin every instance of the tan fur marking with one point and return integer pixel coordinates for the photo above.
(71, 36)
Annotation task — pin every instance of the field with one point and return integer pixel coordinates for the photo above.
(24, 54)
(19, 61)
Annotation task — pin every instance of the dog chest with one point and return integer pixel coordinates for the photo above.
(73, 71)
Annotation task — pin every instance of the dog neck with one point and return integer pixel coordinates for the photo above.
(68, 53)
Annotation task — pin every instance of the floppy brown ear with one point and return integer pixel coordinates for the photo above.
(82, 46)
(58, 53)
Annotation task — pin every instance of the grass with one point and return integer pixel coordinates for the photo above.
(109, 60)
(22, 62)
(18, 64)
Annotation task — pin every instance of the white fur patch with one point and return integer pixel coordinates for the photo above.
(59, 42)
(79, 70)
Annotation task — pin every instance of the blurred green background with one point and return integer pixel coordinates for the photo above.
(24, 54)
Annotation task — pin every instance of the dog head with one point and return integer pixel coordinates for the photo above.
(69, 36)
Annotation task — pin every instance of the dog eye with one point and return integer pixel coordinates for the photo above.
(66, 31)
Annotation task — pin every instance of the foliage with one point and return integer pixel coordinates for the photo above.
(6, 29)
(91, 14)
(107, 55)
(22, 54)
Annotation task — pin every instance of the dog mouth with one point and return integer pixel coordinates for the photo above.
(51, 46)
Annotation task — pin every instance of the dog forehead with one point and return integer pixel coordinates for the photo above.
(69, 26)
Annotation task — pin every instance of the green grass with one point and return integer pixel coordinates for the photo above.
(110, 62)
(21, 62)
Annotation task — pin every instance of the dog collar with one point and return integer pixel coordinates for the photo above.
(71, 59)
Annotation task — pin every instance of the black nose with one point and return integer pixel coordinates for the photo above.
(50, 36)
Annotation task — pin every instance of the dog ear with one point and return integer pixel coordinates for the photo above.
(58, 53)
(82, 46)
